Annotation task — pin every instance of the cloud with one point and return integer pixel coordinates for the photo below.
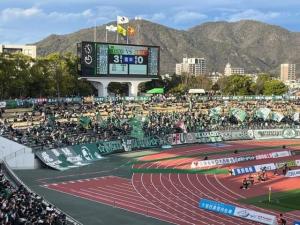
(253, 15)
(188, 16)
(18, 13)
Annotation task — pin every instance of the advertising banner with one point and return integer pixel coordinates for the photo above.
(297, 223)
(244, 170)
(274, 133)
(235, 135)
(80, 155)
(232, 160)
(255, 216)
(191, 138)
(231, 210)
(289, 164)
(217, 207)
(293, 173)
(2, 104)
(267, 167)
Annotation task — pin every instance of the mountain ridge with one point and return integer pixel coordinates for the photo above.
(253, 45)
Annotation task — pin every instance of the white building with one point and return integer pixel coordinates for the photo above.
(287, 72)
(29, 50)
(233, 70)
(193, 66)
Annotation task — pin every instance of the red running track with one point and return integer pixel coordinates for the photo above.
(172, 197)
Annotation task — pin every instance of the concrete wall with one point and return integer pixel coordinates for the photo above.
(16, 155)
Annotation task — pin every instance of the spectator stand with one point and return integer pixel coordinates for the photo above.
(15, 181)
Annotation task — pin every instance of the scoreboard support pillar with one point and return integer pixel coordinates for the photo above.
(101, 84)
(133, 88)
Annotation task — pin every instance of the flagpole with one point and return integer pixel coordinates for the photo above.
(95, 32)
(105, 35)
(127, 34)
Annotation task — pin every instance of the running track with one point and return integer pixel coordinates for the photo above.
(169, 197)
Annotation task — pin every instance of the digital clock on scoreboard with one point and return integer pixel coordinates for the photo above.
(105, 59)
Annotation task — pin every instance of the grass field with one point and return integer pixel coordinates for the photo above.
(281, 201)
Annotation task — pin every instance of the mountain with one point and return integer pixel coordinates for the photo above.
(253, 45)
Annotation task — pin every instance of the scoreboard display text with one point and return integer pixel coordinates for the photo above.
(105, 59)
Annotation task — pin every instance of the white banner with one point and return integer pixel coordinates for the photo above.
(255, 216)
(268, 166)
(232, 160)
(297, 162)
(274, 155)
(274, 133)
(293, 173)
(2, 104)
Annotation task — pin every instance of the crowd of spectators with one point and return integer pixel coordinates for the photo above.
(18, 206)
(51, 126)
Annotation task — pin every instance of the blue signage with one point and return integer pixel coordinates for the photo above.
(240, 171)
(297, 223)
(217, 207)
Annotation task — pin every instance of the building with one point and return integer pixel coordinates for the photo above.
(193, 66)
(233, 70)
(287, 72)
(29, 50)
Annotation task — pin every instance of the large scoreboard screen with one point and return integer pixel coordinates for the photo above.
(118, 60)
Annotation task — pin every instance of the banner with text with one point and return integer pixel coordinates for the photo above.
(231, 210)
(80, 155)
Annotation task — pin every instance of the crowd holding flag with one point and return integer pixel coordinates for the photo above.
(238, 113)
(180, 124)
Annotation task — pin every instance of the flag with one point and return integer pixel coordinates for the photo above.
(181, 125)
(122, 19)
(276, 116)
(263, 113)
(215, 112)
(111, 28)
(130, 31)
(239, 114)
(296, 116)
(121, 30)
(85, 121)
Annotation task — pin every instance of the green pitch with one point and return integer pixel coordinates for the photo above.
(280, 201)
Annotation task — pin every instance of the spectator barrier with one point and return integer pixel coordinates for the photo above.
(80, 155)
(231, 210)
(293, 173)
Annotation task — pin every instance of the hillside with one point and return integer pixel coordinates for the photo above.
(256, 46)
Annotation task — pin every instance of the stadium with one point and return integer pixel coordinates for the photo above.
(126, 146)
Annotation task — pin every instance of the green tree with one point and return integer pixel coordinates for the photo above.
(274, 87)
(237, 85)
(258, 86)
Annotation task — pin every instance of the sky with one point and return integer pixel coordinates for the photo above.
(29, 21)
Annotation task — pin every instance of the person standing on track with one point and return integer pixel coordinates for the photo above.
(281, 220)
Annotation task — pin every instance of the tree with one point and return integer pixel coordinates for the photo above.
(274, 87)
(237, 85)
(258, 86)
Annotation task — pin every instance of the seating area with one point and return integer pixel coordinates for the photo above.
(19, 206)
(47, 126)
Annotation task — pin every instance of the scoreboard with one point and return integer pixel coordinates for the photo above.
(117, 60)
